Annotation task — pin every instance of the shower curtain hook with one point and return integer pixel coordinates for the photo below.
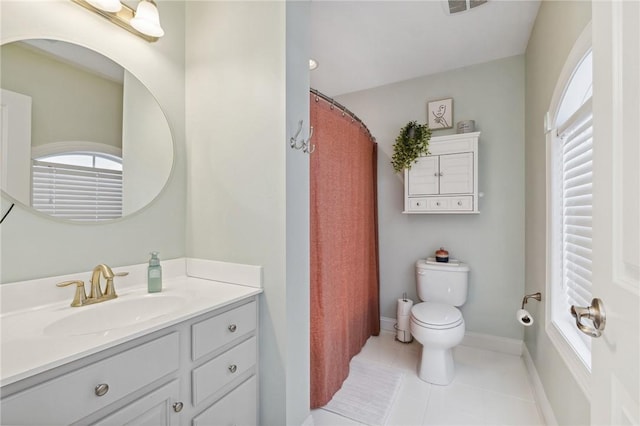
(332, 101)
(344, 111)
(293, 142)
(317, 98)
(308, 144)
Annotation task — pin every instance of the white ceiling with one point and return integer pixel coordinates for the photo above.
(364, 44)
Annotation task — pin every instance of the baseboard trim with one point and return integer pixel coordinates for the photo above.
(493, 343)
(540, 395)
(388, 324)
(308, 421)
(475, 340)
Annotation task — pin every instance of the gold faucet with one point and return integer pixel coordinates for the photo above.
(96, 294)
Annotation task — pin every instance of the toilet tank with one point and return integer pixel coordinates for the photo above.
(442, 282)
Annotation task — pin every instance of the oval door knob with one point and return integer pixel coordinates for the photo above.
(177, 407)
(233, 368)
(102, 389)
(595, 313)
(233, 328)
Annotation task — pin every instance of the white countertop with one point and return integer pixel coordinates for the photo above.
(26, 350)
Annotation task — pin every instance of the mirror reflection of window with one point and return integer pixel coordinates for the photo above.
(82, 186)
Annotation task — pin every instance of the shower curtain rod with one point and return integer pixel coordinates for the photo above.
(345, 110)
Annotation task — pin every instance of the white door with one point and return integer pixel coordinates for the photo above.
(456, 173)
(423, 176)
(615, 397)
(15, 155)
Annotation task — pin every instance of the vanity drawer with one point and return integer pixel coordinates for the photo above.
(239, 407)
(215, 332)
(222, 370)
(418, 204)
(461, 203)
(451, 203)
(69, 398)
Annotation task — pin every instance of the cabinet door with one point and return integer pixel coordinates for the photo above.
(423, 176)
(240, 407)
(456, 173)
(153, 409)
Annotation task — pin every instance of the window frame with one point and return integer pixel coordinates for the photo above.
(559, 338)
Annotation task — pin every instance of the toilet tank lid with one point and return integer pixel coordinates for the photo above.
(453, 265)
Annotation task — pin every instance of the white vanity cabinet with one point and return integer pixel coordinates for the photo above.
(188, 373)
(445, 181)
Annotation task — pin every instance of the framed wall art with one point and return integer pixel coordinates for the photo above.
(440, 114)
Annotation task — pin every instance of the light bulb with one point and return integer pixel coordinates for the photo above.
(147, 19)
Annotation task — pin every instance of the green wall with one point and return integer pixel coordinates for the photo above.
(558, 25)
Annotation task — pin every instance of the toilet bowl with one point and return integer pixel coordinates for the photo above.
(436, 323)
(438, 327)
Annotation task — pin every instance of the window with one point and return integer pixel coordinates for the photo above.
(85, 186)
(569, 138)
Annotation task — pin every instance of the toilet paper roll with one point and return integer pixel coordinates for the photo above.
(403, 331)
(404, 306)
(524, 317)
(404, 322)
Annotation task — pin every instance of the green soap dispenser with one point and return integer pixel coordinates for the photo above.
(154, 274)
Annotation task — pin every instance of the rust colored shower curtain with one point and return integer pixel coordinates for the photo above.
(344, 246)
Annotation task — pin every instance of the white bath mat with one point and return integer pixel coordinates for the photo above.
(368, 392)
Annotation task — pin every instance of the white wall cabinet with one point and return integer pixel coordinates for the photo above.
(192, 372)
(445, 181)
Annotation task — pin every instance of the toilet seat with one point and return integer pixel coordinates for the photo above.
(437, 316)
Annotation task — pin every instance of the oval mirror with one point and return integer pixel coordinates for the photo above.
(82, 138)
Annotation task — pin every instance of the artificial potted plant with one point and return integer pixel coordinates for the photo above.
(412, 142)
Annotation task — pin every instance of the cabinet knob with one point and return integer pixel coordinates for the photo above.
(177, 407)
(435, 174)
(102, 389)
(441, 174)
(233, 328)
(459, 203)
(438, 203)
(233, 368)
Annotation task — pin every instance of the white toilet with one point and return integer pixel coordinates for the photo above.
(436, 322)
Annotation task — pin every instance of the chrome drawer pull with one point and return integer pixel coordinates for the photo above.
(102, 389)
(177, 407)
(233, 328)
(233, 368)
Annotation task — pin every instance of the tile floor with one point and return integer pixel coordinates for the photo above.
(490, 388)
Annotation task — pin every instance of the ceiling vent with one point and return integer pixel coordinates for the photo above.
(456, 6)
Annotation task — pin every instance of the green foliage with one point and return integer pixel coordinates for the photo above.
(412, 142)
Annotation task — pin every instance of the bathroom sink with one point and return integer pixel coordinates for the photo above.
(113, 314)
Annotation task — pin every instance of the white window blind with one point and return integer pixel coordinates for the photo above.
(76, 192)
(577, 153)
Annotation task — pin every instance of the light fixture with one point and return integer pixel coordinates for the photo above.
(143, 22)
(147, 19)
(313, 64)
(106, 5)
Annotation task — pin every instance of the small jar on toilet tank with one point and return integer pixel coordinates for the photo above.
(442, 255)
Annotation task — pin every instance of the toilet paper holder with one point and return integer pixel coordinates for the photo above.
(537, 296)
